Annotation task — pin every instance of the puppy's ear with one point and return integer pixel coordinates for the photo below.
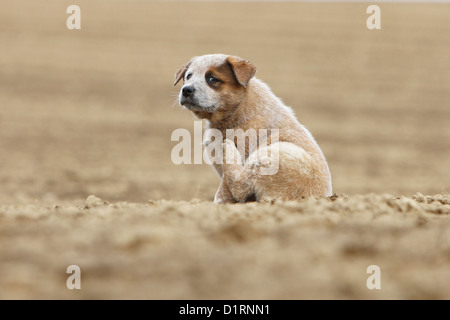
(243, 70)
(180, 73)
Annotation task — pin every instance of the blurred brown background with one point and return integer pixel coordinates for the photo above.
(92, 111)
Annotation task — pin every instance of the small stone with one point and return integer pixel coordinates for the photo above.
(419, 197)
(93, 201)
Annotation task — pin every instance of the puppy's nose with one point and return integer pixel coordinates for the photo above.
(188, 91)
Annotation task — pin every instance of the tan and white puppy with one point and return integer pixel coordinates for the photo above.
(223, 90)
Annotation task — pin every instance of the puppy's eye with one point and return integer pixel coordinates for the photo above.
(189, 76)
(212, 80)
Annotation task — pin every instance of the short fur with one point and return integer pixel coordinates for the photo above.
(240, 101)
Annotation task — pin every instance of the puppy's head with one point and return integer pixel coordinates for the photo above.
(214, 83)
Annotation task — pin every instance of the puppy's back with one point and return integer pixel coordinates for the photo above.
(269, 112)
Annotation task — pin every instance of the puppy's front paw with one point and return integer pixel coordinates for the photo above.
(230, 153)
(220, 198)
(219, 201)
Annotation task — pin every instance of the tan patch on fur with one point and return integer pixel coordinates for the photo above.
(231, 92)
(242, 69)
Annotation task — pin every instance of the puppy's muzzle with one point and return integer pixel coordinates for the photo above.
(188, 91)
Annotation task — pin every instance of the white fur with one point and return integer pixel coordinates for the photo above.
(205, 97)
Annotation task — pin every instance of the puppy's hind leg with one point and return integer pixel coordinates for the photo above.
(235, 175)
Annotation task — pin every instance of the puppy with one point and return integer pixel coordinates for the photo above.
(223, 90)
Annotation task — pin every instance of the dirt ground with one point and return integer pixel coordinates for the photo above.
(91, 112)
